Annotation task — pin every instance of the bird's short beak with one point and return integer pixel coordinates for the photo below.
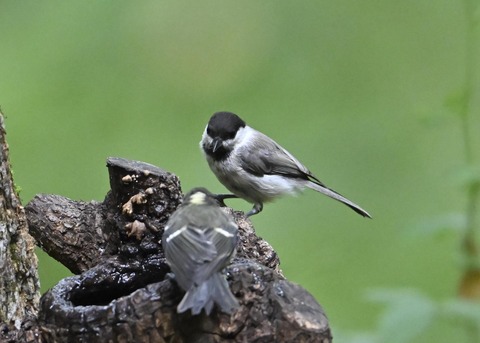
(216, 143)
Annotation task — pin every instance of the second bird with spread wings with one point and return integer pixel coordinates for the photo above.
(254, 167)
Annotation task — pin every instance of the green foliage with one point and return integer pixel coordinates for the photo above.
(408, 314)
(16, 187)
(468, 176)
(358, 337)
(411, 314)
(438, 226)
(462, 312)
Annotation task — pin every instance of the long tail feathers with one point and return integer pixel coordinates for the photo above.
(334, 195)
(203, 296)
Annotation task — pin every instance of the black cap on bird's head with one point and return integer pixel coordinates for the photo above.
(224, 125)
(221, 130)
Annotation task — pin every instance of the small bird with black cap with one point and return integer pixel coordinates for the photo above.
(256, 168)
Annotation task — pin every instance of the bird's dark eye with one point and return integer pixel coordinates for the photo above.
(230, 135)
(209, 131)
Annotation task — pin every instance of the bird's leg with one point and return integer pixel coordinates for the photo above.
(257, 208)
(221, 197)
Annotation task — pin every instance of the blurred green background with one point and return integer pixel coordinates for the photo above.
(355, 89)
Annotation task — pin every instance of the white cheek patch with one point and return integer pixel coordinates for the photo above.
(205, 138)
(244, 135)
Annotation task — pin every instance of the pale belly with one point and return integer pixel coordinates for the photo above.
(256, 189)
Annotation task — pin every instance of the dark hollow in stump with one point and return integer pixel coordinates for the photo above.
(124, 292)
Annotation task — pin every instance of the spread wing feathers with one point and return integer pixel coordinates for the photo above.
(267, 157)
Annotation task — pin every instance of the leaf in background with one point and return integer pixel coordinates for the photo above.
(467, 176)
(463, 311)
(408, 314)
(437, 226)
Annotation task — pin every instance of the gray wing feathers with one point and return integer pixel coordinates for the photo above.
(190, 251)
(200, 255)
(225, 249)
(267, 157)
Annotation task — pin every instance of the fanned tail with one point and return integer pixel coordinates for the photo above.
(203, 296)
(334, 195)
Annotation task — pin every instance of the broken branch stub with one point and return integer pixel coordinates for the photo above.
(124, 292)
(82, 234)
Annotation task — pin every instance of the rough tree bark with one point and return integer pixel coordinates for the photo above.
(19, 286)
(123, 291)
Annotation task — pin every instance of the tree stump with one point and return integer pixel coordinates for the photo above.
(123, 291)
